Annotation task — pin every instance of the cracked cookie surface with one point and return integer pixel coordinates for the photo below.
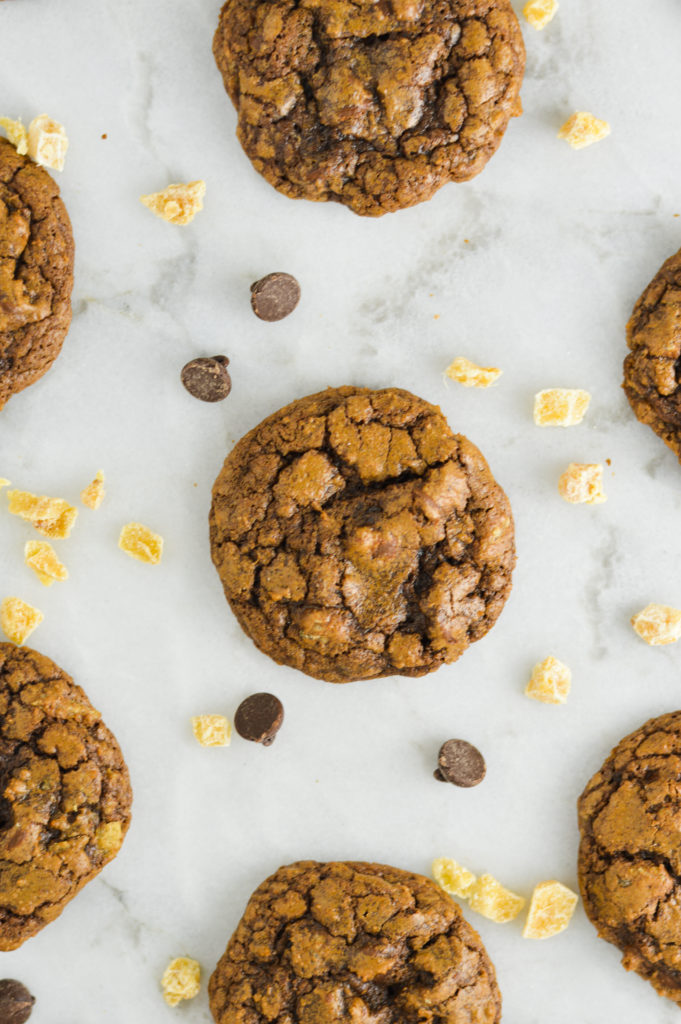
(356, 536)
(630, 852)
(353, 943)
(372, 103)
(65, 793)
(652, 370)
(36, 271)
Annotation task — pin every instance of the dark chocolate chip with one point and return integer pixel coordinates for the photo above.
(460, 763)
(16, 1002)
(207, 379)
(259, 718)
(275, 296)
(6, 820)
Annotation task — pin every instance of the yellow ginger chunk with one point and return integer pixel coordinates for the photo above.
(181, 980)
(540, 12)
(551, 908)
(658, 624)
(582, 483)
(550, 682)
(47, 142)
(583, 129)
(109, 837)
(212, 730)
(93, 495)
(489, 898)
(18, 619)
(16, 133)
(53, 517)
(560, 407)
(471, 375)
(178, 204)
(42, 558)
(141, 543)
(453, 878)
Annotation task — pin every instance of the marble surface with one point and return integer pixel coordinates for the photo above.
(533, 267)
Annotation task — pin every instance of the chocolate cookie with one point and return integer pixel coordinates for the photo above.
(352, 943)
(64, 793)
(357, 536)
(36, 272)
(630, 853)
(652, 370)
(374, 105)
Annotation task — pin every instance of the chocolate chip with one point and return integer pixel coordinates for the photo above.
(275, 296)
(460, 763)
(207, 379)
(6, 821)
(259, 718)
(16, 1002)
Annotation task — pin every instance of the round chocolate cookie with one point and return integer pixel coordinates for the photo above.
(652, 370)
(64, 793)
(345, 943)
(357, 536)
(630, 853)
(374, 105)
(36, 271)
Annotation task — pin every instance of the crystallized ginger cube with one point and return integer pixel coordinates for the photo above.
(582, 483)
(16, 133)
(18, 619)
(540, 12)
(658, 624)
(178, 204)
(141, 543)
(583, 129)
(489, 898)
(181, 980)
(42, 558)
(109, 837)
(53, 517)
(212, 730)
(550, 682)
(47, 142)
(551, 908)
(93, 495)
(471, 375)
(453, 878)
(560, 407)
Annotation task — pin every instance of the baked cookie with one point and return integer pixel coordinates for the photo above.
(36, 271)
(64, 793)
(374, 105)
(652, 370)
(352, 943)
(356, 536)
(630, 852)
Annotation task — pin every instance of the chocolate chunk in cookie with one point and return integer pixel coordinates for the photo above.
(349, 943)
(374, 105)
(652, 370)
(357, 536)
(630, 852)
(36, 271)
(64, 793)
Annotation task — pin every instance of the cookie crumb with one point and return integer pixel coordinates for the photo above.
(470, 375)
(181, 980)
(560, 407)
(489, 898)
(212, 730)
(583, 129)
(109, 838)
(550, 682)
(141, 543)
(179, 203)
(18, 619)
(93, 495)
(16, 134)
(453, 878)
(42, 558)
(47, 142)
(658, 624)
(540, 12)
(551, 908)
(53, 517)
(582, 483)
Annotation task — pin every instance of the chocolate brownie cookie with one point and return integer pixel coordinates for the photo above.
(652, 370)
(64, 793)
(630, 853)
(36, 271)
(374, 105)
(352, 943)
(356, 536)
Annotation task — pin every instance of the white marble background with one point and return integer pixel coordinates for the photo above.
(533, 267)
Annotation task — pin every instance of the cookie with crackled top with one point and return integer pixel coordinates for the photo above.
(65, 793)
(349, 943)
(630, 852)
(36, 271)
(374, 105)
(356, 536)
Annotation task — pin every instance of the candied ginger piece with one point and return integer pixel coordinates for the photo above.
(583, 129)
(42, 558)
(560, 407)
(109, 837)
(141, 543)
(550, 682)
(551, 908)
(212, 730)
(93, 495)
(658, 624)
(53, 517)
(539, 13)
(181, 980)
(470, 375)
(18, 619)
(582, 483)
(178, 204)
(453, 878)
(47, 142)
(16, 134)
(489, 898)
